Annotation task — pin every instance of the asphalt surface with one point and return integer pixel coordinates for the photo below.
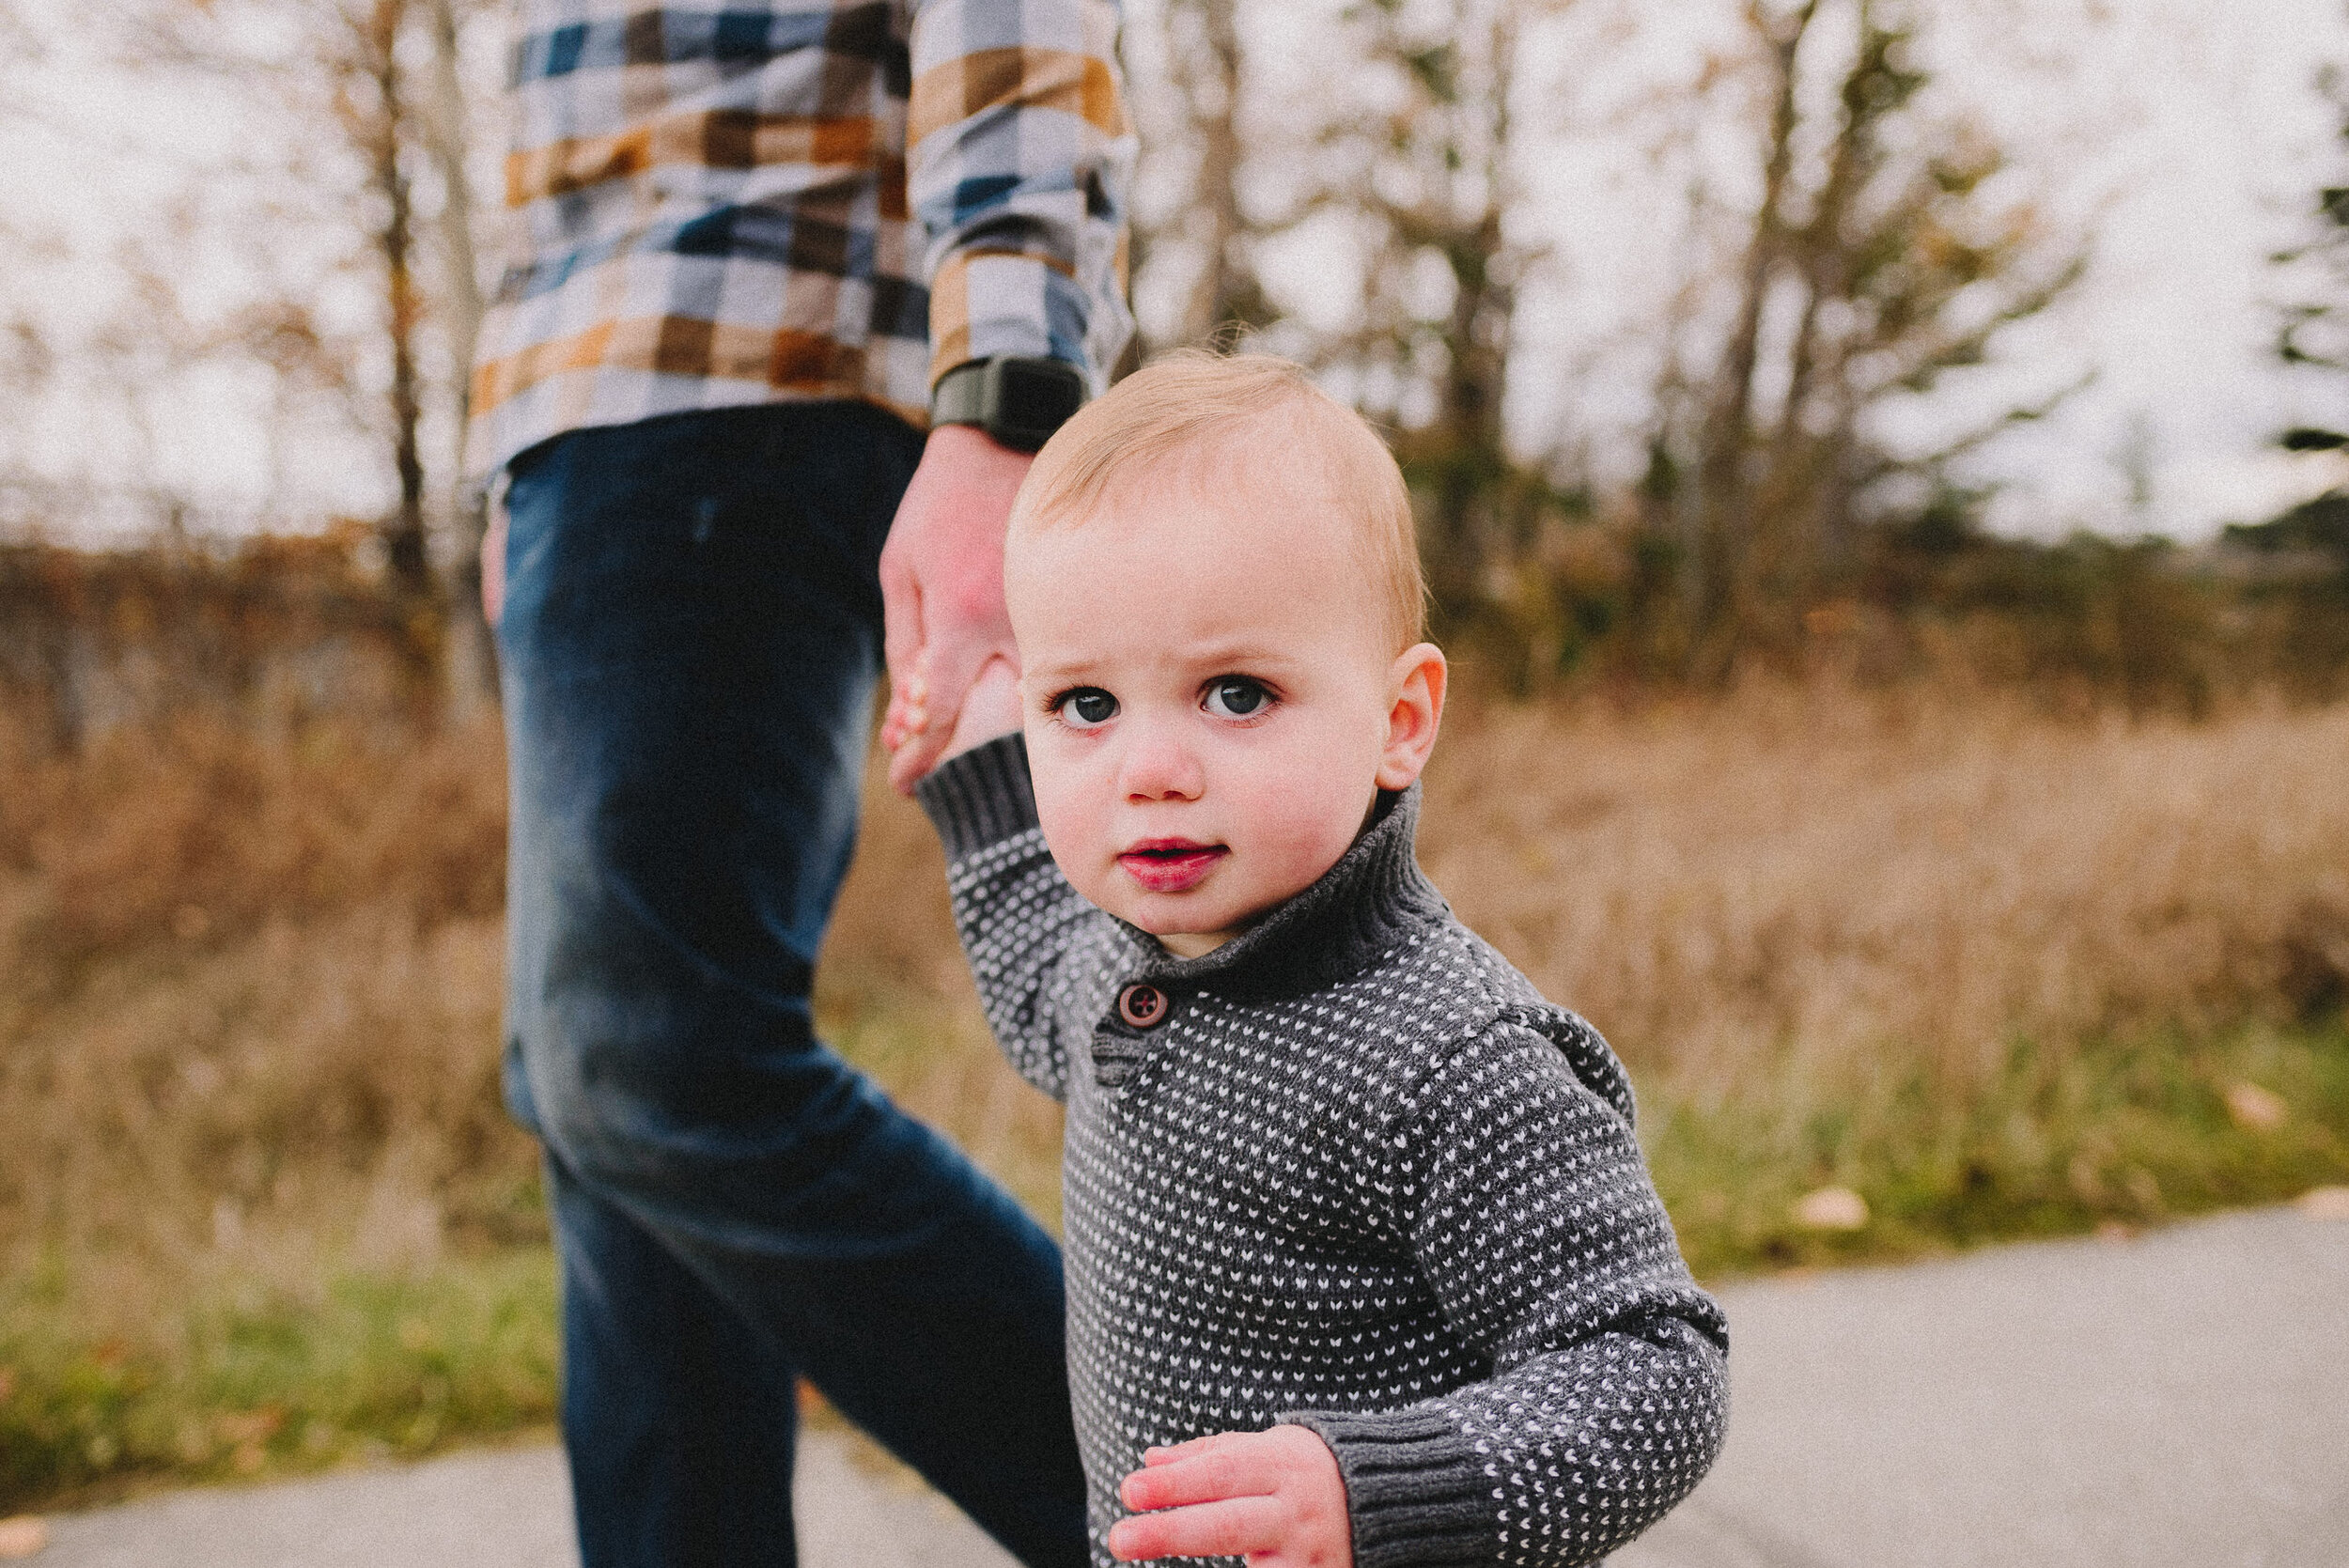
(2176, 1400)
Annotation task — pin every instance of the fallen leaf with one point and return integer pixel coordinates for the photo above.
(245, 1427)
(22, 1535)
(1832, 1208)
(2326, 1202)
(2255, 1109)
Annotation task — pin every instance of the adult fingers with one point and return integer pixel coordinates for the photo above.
(1232, 1527)
(902, 640)
(901, 614)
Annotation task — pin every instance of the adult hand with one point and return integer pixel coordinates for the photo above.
(1274, 1498)
(942, 578)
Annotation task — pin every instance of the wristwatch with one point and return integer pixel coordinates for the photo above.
(1019, 402)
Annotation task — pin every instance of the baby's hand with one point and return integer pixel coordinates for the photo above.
(989, 708)
(1274, 1498)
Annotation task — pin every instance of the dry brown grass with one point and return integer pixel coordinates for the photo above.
(202, 828)
(251, 1001)
(1821, 880)
(252, 987)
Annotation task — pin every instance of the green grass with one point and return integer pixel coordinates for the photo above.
(243, 1379)
(2126, 1133)
(248, 1380)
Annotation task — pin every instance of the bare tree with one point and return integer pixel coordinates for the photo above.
(1419, 159)
(364, 115)
(1205, 78)
(28, 349)
(360, 50)
(2314, 334)
(1879, 257)
(1440, 193)
(449, 138)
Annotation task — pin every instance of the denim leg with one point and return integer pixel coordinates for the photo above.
(689, 645)
(678, 1415)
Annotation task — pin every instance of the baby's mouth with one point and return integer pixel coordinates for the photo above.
(1170, 864)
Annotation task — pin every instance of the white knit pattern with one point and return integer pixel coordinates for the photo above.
(1409, 1193)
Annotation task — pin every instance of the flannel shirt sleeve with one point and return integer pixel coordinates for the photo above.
(1018, 162)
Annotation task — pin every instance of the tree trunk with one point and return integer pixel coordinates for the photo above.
(1724, 488)
(404, 533)
(472, 663)
(1208, 79)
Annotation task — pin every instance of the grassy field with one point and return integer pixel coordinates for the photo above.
(1989, 972)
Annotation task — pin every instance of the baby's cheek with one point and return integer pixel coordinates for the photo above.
(1297, 851)
(1072, 833)
(1312, 819)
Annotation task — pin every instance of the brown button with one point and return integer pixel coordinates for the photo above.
(1141, 1005)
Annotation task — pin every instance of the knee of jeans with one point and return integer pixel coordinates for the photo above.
(636, 1058)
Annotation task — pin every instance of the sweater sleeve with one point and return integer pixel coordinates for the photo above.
(1530, 1210)
(1025, 932)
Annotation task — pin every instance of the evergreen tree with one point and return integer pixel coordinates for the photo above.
(2315, 335)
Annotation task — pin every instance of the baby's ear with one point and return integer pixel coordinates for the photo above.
(1415, 685)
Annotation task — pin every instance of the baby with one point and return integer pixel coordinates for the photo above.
(1364, 1263)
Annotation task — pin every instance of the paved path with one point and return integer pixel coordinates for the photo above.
(2180, 1401)
(498, 1508)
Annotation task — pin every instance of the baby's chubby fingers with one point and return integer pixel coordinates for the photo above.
(1172, 1452)
(1234, 1527)
(1222, 1465)
(1274, 1497)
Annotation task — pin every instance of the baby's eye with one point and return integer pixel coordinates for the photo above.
(1085, 707)
(1236, 697)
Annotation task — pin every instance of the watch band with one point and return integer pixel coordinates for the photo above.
(1018, 402)
(957, 397)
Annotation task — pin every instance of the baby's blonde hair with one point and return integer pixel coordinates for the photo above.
(1189, 399)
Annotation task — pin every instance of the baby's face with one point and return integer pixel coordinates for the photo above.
(1210, 705)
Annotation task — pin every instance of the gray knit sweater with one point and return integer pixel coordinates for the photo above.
(1349, 1171)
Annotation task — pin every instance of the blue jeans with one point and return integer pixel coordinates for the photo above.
(690, 646)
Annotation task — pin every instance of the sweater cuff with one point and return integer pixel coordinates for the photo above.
(1416, 1493)
(981, 797)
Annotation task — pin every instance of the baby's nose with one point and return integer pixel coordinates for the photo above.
(1158, 767)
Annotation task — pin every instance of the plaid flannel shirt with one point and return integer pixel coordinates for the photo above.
(722, 202)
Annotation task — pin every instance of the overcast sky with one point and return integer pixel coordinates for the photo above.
(2185, 140)
(2191, 147)
(2224, 144)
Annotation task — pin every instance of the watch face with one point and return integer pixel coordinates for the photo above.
(1034, 399)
